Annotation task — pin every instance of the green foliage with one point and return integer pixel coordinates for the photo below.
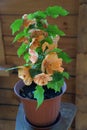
(15, 26)
(39, 95)
(55, 11)
(65, 57)
(26, 57)
(66, 75)
(34, 72)
(57, 82)
(53, 30)
(22, 49)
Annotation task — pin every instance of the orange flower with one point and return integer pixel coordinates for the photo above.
(23, 73)
(50, 46)
(37, 32)
(23, 39)
(33, 56)
(34, 44)
(52, 63)
(42, 79)
(27, 22)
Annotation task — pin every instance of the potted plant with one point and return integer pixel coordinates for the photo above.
(42, 75)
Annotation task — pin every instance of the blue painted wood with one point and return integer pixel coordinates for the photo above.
(68, 111)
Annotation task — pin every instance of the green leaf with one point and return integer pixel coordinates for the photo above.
(66, 75)
(30, 16)
(56, 85)
(26, 57)
(65, 57)
(40, 15)
(34, 72)
(39, 95)
(57, 82)
(55, 11)
(57, 50)
(18, 36)
(53, 30)
(47, 39)
(15, 26)
(22, 49)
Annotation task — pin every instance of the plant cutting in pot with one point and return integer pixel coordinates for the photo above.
(42, 73)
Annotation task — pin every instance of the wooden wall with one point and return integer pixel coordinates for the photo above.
(81, 69)
(12, 9)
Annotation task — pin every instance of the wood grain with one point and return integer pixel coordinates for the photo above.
(24, 6)
(7, 125)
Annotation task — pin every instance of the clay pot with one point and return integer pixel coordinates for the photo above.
(46, 114)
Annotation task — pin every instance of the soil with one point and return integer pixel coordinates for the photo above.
(28, 92)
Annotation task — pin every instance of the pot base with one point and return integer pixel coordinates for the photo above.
(36, 127)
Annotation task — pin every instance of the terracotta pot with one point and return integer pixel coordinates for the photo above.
(46, 114)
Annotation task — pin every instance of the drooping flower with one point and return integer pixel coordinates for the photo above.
(33, 56)
(23, 73)
(42, 79)
(48, 47)
(34, 44)
(52, 63)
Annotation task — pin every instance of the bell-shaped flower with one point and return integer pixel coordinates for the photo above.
(33, 56)
(52, 63)
(23, 73)
(42, 79)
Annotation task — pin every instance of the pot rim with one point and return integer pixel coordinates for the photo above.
(20, 82)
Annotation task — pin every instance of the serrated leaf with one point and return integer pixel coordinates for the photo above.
(53, 30)
(66, 75)
(56, 85)
(55, 11)
(39, 95)
(65, 57)
(15, 26)
(22, 49)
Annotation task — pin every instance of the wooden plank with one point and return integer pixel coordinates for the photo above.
(24, 6)
(19, 61)
(81, 121)
(2, 55)
(8, 82)
(81, 70)
(67, 44)
(8, 112)
(81, 102)
(68, 98)
(82, 27)
(68, 24)
(7, 125)
(83, 1)
(7, 96)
